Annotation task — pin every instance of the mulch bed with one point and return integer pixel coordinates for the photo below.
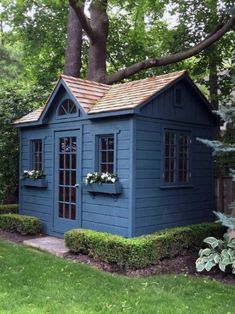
(16, 237)
(177, 265)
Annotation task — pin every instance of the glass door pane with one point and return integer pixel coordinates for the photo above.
(67, 176)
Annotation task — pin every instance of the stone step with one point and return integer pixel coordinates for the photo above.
(52, 245)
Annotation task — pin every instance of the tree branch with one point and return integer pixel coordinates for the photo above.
(83, 20)
(215, 35)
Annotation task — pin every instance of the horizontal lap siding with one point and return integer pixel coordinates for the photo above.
(34, 201)
(104, 212)
(158, 208)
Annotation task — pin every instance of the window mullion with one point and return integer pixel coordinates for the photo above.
(177, 157)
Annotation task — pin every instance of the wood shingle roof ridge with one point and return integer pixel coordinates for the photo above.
(153, 78)
(78, 79)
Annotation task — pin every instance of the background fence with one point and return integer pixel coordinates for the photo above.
(225, 194)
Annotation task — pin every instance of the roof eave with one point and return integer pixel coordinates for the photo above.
(27, 124)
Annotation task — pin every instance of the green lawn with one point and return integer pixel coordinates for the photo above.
(35, 282)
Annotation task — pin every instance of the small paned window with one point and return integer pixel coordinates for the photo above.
(178, 97)
(183, 157)
(37, 155)
(176, 157)
(106, 153)
(67, 107)
(170, 157)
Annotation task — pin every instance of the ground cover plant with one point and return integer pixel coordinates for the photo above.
(220, 252)
(34, 282)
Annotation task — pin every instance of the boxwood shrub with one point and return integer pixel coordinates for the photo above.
(141, 251)
(9, 209)
(19, 223)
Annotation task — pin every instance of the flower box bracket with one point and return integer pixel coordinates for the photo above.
(113, 189)
(38, 183)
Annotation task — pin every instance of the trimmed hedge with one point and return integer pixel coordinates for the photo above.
(9, 209)
(19, 223)
(142, 251)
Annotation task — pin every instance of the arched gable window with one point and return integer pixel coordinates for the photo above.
(67, 108)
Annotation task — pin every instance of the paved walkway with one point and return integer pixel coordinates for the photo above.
(51, 245)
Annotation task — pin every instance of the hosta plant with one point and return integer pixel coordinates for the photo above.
(219, 252)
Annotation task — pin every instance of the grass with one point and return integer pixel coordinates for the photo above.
(34, 282)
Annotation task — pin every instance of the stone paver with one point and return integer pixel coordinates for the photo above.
(52, 245)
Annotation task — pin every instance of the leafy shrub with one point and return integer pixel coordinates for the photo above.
(142, 251)
(220, 252)
(9, 209)
(19, 223)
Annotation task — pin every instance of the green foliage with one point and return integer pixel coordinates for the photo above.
(10, 63)
(142, 251)
(19, 223)
(38, 30)
(33, 174)
(214, 66)
(137, 32)
(224, 148)
(226, 221)
(15, 100)
(100, 177)
(219, 252)
(9, 209)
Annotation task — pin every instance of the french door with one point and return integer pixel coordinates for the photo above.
(67, 191)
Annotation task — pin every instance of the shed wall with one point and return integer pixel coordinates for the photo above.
(103, 212)
(157, 206)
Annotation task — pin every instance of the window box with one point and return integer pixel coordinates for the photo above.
(39, 183)
(107, 188)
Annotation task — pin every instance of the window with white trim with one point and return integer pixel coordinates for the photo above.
(176, 157)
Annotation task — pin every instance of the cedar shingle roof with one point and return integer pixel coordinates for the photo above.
(96, 97)
(86, 92)
(31, 117)
(132, 94)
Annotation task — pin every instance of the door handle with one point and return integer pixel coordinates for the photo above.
(77, 185)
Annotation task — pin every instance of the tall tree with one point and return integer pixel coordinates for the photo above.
(97, 28)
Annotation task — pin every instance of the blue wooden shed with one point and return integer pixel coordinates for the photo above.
(143, 131)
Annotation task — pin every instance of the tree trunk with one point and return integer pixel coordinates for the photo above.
(98, 51)
(74, 45)
(213, 81)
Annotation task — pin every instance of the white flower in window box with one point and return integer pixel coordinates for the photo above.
(102, 182)
(34, 178)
